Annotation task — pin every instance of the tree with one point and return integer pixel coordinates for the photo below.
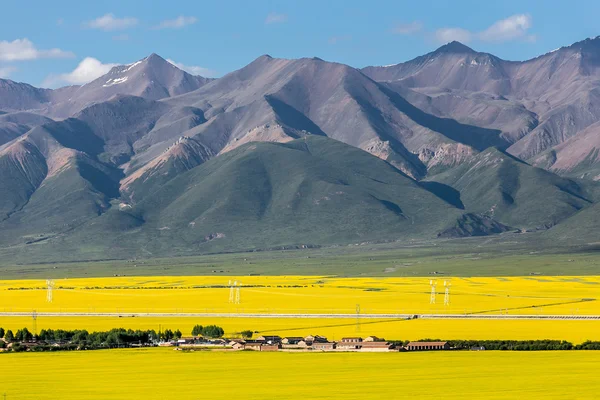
(178, 334)
(23, 335)
(1, 332)
(44, 335)
(213, 331)
(197, 330)
(9, 336)
(18, 347)
(168, 335)
(247, 334)
(80, 336)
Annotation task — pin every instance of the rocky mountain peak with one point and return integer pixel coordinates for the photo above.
(455, 48)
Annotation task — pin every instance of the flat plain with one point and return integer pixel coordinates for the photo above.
(504, 255)
(304, 296)
(162, 373)
(565, 295)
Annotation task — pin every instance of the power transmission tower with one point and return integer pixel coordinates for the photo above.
(447, 293)
(432, 295)
(231, 291)
(34, 318)
(237, 293)
(358, 318)
(50, 285)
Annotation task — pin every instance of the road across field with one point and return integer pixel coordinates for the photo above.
(301, 316)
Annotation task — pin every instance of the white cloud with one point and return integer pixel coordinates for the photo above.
(6, 71)
(87, 70)
(408, 29)
(515, 27)
(511, 28)
(446, 35)
(194, 70)
(177, 23)
(274, 18)
(24, 49)
(109, 22)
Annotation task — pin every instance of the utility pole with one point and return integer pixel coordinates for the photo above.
(432, 295)
(447, 293)
(34, 317)
(237, 293)
(50, 285)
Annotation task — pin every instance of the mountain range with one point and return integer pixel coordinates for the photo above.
(149, 160)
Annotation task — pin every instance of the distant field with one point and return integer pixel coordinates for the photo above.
(566, 295)
(505, 255)
(167, 374)
(306, 295)
(575, 331)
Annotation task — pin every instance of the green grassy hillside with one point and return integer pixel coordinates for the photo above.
(581, 228)
(514, 193)
(308, 192)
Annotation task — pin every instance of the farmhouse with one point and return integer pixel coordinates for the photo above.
(269, 339)
(200, 342)
(253, 345)
(373, 339)
(270, 347)
(419, 346)
(316, 338)
(291, 340)
(325, 346)
(377, 346)
(350, 343)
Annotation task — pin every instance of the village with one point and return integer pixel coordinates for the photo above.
(308, 343)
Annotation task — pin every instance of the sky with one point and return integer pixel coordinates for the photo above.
(58, 43)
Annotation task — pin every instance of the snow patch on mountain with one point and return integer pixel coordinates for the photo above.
(115, 81)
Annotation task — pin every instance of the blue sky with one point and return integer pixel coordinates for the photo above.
(67, 42)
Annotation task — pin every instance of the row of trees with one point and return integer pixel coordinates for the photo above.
(84, 339)
(209, 331)
(518, 345)
(114, 336)
(588, 345)
(125, 337)
(9, 336)
(119, 335)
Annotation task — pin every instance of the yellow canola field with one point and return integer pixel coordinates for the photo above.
(166, 374)
(575, 331)
(307, 294)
